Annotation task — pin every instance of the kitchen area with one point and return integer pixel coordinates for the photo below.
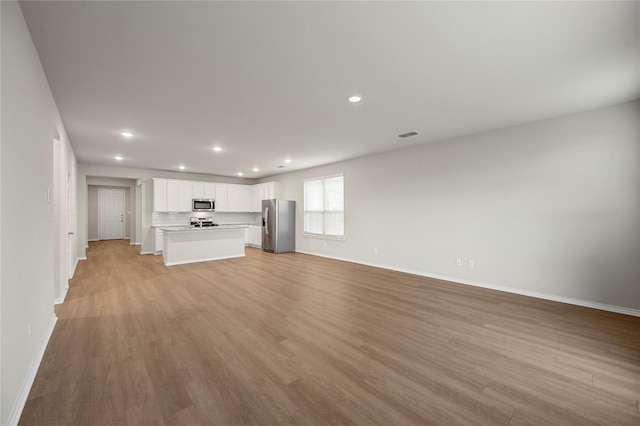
(202, 221)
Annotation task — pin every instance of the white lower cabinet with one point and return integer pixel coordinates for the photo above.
(253, 236)
(158, 241)
(257, 236)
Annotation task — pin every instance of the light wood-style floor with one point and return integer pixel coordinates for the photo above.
(297, 339)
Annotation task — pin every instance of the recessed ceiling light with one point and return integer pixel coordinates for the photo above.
(239, 173)
(181, 167)
(255, 169)
(355, 98)
(217, 149)
(127, 134)
(287, 160)
(117, 157)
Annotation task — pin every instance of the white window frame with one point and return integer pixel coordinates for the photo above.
(305, 211)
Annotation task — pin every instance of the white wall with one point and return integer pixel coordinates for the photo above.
(551, 207)
(28, 247)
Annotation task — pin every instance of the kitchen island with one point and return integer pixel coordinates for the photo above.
(192, 244)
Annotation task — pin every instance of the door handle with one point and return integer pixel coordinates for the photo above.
(71, 233)
(266, 220)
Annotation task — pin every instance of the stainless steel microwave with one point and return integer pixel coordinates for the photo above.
(203, 205)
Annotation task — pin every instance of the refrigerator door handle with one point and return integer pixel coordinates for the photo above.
(266, 220)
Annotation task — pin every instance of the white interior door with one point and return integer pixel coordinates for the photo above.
(70, 264)
(110, 214)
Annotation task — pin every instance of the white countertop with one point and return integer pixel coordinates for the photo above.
(198, 229)
(222, 225)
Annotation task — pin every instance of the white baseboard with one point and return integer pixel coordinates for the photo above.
(134, 243)
(60, 299)
(75, 265)
(562, 299)
(21, 399)
(204, 259)
(91, 239)
(146, 252)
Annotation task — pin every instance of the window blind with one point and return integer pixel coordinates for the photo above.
(324, 206)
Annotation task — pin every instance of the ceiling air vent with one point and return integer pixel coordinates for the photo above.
(408, 134)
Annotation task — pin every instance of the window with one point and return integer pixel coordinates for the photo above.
(324, 206)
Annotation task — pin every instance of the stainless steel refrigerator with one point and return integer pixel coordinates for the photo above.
(278, 226)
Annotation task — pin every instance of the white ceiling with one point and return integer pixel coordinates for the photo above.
(270, 80)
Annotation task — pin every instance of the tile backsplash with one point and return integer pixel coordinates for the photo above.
(161, 218)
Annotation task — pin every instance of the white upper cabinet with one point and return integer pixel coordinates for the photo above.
(203, 190)
(221, 197)
(273, 190)
(159, 195)
(171, 195)
(197, 190)
(255, 204)
(178, 196)
(264, 191)
(184, 197)
(239, 198)
(209, 191)
(257, 195)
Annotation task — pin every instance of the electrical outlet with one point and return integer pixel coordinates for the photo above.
(472, 264)
(458, 262)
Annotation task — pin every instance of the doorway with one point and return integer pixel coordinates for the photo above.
(110, 214)
(69, 233)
